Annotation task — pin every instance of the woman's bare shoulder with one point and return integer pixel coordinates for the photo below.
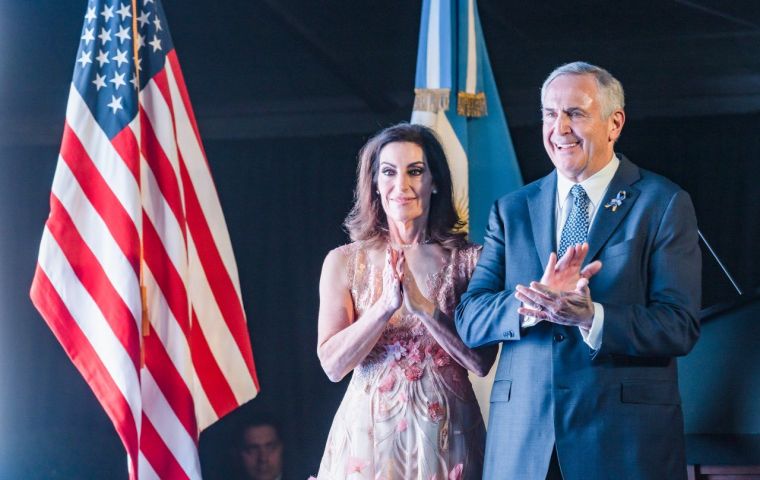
(341, 260)
(339, 256)
(345, 252)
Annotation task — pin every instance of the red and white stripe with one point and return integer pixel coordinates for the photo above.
(151, 183)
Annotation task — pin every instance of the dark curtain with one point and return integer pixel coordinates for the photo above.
(284, 201)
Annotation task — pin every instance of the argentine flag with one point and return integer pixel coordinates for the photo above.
(455, 95)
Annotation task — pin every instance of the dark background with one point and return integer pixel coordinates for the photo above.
(285, 93)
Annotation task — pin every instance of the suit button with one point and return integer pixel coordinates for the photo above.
(558, 337)
(509, 334)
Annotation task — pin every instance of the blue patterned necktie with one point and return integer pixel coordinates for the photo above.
(575, 230)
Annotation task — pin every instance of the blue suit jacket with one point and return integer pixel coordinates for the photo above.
(615, 412)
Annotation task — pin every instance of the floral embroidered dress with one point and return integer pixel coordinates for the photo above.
(409, 411)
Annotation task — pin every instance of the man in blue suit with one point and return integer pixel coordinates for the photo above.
(586, 387)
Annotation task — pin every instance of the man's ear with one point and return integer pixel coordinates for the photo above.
(615, 125)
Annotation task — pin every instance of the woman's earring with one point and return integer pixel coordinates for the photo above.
(435, 190)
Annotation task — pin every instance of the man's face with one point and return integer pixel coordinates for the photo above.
(577, 138)
(261, 453)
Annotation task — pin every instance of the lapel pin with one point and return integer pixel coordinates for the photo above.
(614, 203)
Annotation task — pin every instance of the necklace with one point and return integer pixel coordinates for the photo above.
(406, 246)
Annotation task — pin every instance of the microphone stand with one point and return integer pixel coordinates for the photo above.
(722, 267)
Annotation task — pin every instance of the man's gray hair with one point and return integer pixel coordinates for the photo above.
(611, 94)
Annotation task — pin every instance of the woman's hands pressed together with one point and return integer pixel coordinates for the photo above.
(391, 298)
(439, 324)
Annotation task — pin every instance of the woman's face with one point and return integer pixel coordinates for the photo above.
(404, 181)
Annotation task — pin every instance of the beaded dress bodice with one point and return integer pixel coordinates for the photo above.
(406, 344)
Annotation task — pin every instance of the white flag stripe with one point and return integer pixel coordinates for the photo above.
(160, 116)
(168, 426)
(103, 155)
(204, 413)
(472, 57)
(145, 470)
(220, 340)
(202, 183)
(434, 46)
(96, 235)
(168, 330)
(455, 154)
(90, 319)
(164, 221)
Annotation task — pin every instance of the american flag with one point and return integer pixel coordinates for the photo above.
(136, 275)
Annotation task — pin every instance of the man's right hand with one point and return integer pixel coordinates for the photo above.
(564, 275)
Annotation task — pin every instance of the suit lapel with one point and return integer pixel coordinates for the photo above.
(541, 206)
(607, 220)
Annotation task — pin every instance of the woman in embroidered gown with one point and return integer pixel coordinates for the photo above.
(386, 312)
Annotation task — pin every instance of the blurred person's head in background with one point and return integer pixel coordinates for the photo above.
(260, 449)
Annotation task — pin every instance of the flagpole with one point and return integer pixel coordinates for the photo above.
(144, 320)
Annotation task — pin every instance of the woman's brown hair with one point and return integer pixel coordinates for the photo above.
(367, 220)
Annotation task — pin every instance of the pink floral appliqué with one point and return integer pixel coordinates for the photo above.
(435, 411)
(414, 355)
(413, 373)
(418, 330)
(395, 351)
(402, 425)
(441, 358)
(387, 384)
(456, 472)
(355, 465)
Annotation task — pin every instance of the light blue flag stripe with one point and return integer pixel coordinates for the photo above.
(445, 44)
(420, 80)
(435, 72)
(492, 163)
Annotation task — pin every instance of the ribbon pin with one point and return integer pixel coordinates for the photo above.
(614, 203)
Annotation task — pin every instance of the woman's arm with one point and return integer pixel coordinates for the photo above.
(344, 341)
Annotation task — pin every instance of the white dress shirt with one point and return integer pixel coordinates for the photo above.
(596, 188)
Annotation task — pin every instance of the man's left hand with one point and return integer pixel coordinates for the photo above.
(572, 307)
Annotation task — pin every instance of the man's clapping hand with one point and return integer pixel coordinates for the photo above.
(562, 296)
